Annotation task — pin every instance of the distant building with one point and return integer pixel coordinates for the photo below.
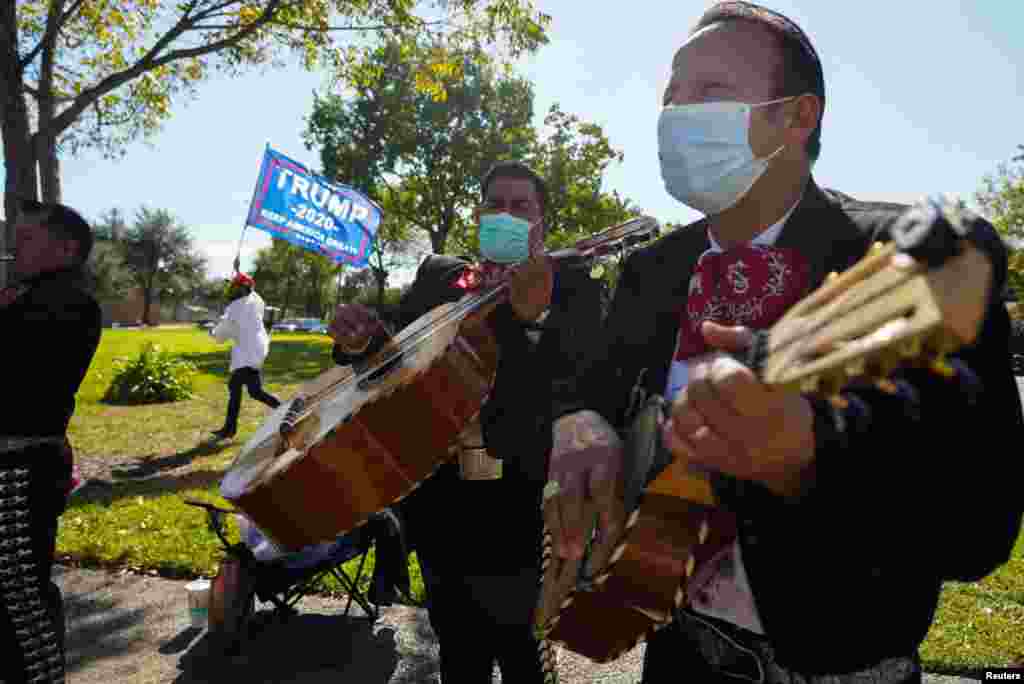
(127, 310)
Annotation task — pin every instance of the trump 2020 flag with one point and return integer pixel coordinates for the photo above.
(313, 212)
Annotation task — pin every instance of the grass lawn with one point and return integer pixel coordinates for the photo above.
(144, 523)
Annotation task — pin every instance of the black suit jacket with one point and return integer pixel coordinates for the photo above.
(51, 332)
(489, 526)
(915, 492)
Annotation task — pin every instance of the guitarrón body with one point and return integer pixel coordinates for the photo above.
(357, 439)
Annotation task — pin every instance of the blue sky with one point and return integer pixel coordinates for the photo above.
(922, 97)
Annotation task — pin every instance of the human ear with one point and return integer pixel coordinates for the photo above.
(802, 118)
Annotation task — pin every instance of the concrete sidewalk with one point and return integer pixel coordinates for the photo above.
(131, 628)
(127, 628)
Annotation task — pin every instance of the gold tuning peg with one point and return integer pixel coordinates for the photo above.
(942, 367)
(809, 384)
(832, 276)
(887, 386)
(877, 246)
(911, 347)
(855, 368)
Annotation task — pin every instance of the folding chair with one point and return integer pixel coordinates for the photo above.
(284, 582)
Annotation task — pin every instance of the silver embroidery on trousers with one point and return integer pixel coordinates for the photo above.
(20, 587)
(9, 489)
(14, 542)
(14, 475)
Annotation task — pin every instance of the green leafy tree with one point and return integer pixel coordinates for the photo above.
(105, 272)
(295, 279)
(423, 150)
(98, 74)
(356, 285)
(426, 153)
(397, 243)
(572, 159)
(209, 294)
(1001, 200)
(160, 256)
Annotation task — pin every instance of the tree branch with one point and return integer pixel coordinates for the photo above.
(149, 61)
(51, 26)
(312, 29)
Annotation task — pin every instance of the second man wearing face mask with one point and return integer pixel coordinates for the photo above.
(476, 524)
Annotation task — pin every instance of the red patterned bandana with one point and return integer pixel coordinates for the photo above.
(749, 285)
(9, 295)
(488, 273)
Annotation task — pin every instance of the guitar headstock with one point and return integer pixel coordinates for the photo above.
(634, 231)
(909, 301)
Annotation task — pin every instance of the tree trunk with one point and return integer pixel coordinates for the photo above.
(147, 295)
(290, 279)
(49, 169)
(46, 136)
(438, 236)
(147, 300)
(381, 277)
(19, 161)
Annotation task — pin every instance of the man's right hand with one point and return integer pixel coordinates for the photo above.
(586, 462)
(353, 327)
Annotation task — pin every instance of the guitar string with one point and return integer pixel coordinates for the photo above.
(460, 311)
(839, 304)
(469, 306)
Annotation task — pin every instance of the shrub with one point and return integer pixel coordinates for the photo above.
(153, 377)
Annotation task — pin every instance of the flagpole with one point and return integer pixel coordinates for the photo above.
(245, 221)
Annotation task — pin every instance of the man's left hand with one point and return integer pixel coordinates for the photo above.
(726, 420)
(530, 288)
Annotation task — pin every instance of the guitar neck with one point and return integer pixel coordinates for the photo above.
(913, 300)
(639, 229)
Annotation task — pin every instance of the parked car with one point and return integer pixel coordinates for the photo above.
(301, 325)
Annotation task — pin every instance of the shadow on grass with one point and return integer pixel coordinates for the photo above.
(289, 361)
(144, 477)
(105, 493)
(97, 627)
(148, 467)
(308, 648)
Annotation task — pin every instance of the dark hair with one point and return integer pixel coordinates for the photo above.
(801, 70)
(514, 169)
(64, 223)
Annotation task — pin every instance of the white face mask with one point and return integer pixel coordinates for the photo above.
(706, 159)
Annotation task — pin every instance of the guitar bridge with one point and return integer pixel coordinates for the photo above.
(296, 430)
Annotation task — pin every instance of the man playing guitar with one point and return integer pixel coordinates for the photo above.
(480, 569)
(846, 512)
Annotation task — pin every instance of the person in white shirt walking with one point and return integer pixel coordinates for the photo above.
(243, 323)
